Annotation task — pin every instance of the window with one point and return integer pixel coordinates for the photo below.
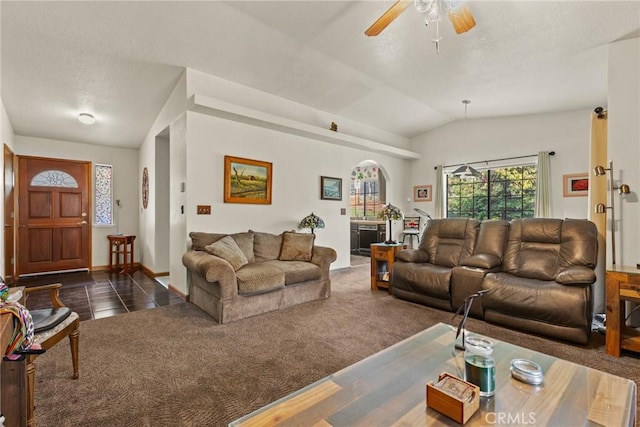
(103, 180)
(366, 198)
(500, 193)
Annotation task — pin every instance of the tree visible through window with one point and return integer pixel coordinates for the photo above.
(501, 193)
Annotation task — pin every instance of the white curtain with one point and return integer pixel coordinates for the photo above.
(543, 186)
(438, 201)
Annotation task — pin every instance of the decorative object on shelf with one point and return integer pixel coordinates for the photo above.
(601, 208)
(118, 206)
(330, 188)
(422, 193)
(247, 181)
(145, 187)
(312, 221)
(365, 173)
(389, 213)
(575, 185)
(334, 127)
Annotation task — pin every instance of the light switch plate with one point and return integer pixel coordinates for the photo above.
(204, 210)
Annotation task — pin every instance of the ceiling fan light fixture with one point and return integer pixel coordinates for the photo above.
(86, 118)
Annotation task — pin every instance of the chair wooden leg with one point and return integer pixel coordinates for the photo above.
(73, 342)
(31, 382)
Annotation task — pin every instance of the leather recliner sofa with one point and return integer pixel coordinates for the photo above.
(538, 272)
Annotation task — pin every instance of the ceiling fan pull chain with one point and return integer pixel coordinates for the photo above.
(436, 41)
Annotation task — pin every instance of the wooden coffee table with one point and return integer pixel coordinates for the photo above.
(388, 389)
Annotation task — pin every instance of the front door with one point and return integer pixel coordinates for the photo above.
(53, 203)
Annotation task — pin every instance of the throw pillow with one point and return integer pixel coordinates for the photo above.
(227, 249)
(296, 246)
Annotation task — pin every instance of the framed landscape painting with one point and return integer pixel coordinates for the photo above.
(575, 184)
(247, 181)
(330, 188)
(422, 193)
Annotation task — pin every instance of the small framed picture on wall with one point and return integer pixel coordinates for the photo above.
(422, 193)
(575, 184)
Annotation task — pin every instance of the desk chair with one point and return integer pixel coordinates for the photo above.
(51, 326)
(411, 229)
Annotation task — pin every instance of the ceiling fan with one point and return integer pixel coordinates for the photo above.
(459, 14)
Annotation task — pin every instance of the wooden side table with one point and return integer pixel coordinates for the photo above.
(121, 245)
(382, 258)
(622, 284)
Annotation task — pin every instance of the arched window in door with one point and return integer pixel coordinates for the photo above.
(368, 191)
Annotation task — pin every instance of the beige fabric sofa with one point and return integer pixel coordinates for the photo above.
(280, 271)
(538, 273)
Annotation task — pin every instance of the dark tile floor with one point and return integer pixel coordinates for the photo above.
(94, 295)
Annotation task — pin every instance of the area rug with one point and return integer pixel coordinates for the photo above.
(175, 366)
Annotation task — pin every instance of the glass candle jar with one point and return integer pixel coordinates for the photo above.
(479, 365)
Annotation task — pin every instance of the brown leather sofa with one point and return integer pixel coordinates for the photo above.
(537, 272)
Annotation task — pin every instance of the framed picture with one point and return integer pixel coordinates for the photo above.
(575, 184)
(330, 188)
(422, 193)
(247, 181)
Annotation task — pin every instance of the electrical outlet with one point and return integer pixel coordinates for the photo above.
(204, 210)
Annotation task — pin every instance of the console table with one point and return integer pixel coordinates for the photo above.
(622, 284)
(121, 246)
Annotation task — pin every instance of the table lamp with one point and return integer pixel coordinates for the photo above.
(388, 213)
(312, 221)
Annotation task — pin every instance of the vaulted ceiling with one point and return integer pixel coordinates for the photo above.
(120, 60)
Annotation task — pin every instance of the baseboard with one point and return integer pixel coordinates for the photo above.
(178, 292)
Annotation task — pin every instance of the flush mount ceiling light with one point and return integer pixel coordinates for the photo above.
(86, 118)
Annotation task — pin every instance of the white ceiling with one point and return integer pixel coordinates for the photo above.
(120, 60)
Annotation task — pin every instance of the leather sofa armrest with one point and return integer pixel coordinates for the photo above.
(485, 261)
(213, 269)
(413, 255)
(576, 275)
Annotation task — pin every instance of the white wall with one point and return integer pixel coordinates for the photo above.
(566, 133)
(624, 146)
(7, 137)
(173, 108)
(215, 87)
(125, 172)
(163, 204)
(298, 164)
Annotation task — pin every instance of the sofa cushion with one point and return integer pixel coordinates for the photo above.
(199, 240)
(297, 246)
(544, 301)
(422, 278)
(266, 246)
(296, 271)
(259, 278)
(227, 249)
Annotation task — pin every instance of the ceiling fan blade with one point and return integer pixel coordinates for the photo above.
(462, 19)
(387, 18)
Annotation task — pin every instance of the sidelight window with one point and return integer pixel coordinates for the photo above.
(103, 180)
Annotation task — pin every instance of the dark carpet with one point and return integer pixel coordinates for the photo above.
(175, 366)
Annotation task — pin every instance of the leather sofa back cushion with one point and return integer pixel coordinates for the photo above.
(542, 248)
(449, 241)
(492, 238)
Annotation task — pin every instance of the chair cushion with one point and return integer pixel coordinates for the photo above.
(48, 318)
(41, 337)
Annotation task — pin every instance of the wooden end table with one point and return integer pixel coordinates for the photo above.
(121, 245)
(622, 284)
(382, 258)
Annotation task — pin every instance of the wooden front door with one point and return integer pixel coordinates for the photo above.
(54, 233)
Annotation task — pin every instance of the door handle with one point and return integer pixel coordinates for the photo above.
(82, 222)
